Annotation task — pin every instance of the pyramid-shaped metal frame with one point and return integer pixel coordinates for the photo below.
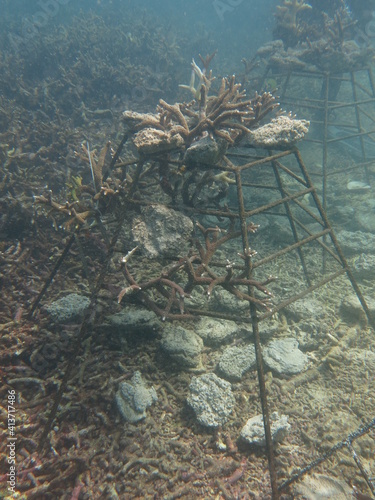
(285, 175)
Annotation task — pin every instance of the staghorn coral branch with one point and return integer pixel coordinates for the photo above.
(174, 110)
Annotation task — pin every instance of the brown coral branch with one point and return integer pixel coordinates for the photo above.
(198, 273)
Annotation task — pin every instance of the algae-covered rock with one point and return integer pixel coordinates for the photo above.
(183, 346)
(162, 232)
(68, 309)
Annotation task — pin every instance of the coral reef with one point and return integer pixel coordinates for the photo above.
(287, 12)
(316, 37)
(61, 99)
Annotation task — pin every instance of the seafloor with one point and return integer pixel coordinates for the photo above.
(47, 109)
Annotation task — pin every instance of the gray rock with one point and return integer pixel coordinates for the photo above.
(304, 308)
(364, 216)
(162, 232)
(68, 309)
(356, 242)
(211, 399)
(215, 332)
(133, 398)
(134, 319)
(227, 302)
(364, 266)
(206, 151)
(283, 356)
(352, 311)
(236, 361)
(253, 431)
(183, 346)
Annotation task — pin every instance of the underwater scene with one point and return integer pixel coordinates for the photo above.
(187, 249)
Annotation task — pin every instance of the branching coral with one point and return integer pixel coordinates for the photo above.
(96, 163)
(74, 216)
(228, 115)
(288, 12)
(205, 77)
(165, 294)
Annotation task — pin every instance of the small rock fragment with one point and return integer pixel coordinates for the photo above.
(283, 356)
(236, 361)
(358, 186)
(133, 398)
(215, 332)
(183, 346)
(68, 309)
(320, 487)
(253, 431)
(162, 232)
(211, 399)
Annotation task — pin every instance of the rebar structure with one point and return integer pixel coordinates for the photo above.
(341, 109)
(268, 185)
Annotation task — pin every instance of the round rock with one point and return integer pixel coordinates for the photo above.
(211, 399)
(134, 320)
(253, 431)
(236, 361)
(68, 309)
(182, 346)
(284, 357)
(215, 332)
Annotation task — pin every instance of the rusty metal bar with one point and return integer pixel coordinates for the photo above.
(276, 203)
(291, 221)
(290, 173)
(352, 136)
(359, 125)
(290, 248)
(257, 345)
(301, 295)
(261, 161)
(336, 243)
